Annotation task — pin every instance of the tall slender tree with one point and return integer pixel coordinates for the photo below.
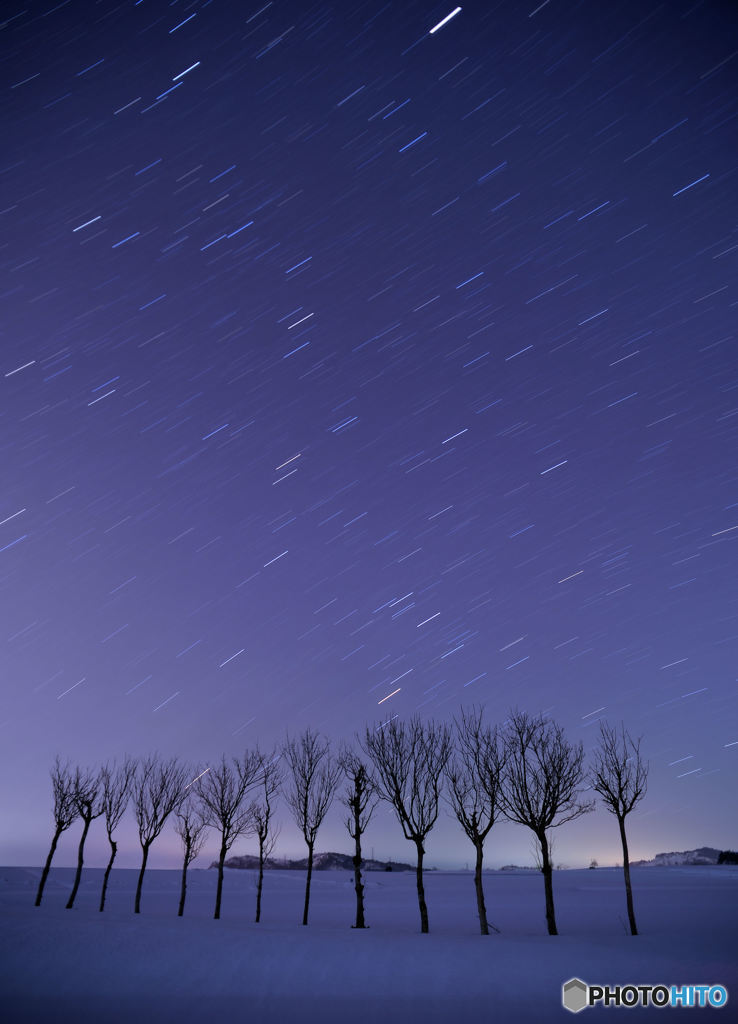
(360, 799)
(409, 759)
(620, 776)
(65, 813)
(542, 775)
(222, 790)
(158, 789)
(87, 796)
(262, 810)
(190, 826)
(474, 777)
(314, 778)
(116, 791)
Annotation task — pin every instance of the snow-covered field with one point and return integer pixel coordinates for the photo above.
(82, 966)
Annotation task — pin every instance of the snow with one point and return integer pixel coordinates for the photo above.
(83, 966)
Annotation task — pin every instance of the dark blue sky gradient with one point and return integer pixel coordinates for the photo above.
(342, 358)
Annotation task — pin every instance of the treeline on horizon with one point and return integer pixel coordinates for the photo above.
(525, 771)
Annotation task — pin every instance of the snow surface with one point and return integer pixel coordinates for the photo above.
(58, 965)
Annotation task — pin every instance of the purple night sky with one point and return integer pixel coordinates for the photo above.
(342, 357)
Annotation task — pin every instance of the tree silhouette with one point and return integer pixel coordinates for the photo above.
(620, 776)
(191, 828)
(361, 800)
(116, 791)
(314, 778)
(65, 812)
(222, 789)
(267, 833)
(474, 777)
(87, 797)
(540, 789)
(409, 760)
(158, 789)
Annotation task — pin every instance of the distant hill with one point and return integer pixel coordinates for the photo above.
(321, 862)
(701, 856)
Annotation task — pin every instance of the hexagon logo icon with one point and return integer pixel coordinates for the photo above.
(574, 995)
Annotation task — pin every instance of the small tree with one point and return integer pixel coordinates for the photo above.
(360, 799)
(158, 789)
(191, 829)
(116, 791)
(541, 778)
(87, 797)
(222, 790)
(620, 776)
(267, 833)
(474, 776)
(315, 777)
(409, 761)
(65, 814)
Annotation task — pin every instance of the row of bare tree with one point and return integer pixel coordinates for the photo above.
(525, 771)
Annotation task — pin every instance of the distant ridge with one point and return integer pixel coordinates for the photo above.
(321, 862)
(701, 856)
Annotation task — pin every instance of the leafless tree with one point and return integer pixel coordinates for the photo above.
(542, 775)
(409, 759)
(116, 791)
(266, 831)
(620, 776)
(474, 777)
(360, 799)
(66, 813)
(222, 790)
(191, 829)
(158, 789)
(88, 798)
(314, 778)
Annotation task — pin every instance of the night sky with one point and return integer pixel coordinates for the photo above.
(352, 369)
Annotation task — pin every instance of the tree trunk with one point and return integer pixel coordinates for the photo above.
(421, 891)
(108, 869)
(219, 888)
(47, 865)
(260, 883)
(80, 862)
(137, 906)
(307, 884)
(547, 869)
(480, 890)
(358, 887)
(626, 872)
(183, 888)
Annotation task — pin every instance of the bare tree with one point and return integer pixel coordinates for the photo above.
(540, 790)
(191, 828)
(222, 790)
(266, 831)
(315, 776)
(87, 797)
(409, 761)
(474, 777)
(620, 776)
(66, 813)
(116, 791)
(158, 789)
(361, 800)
